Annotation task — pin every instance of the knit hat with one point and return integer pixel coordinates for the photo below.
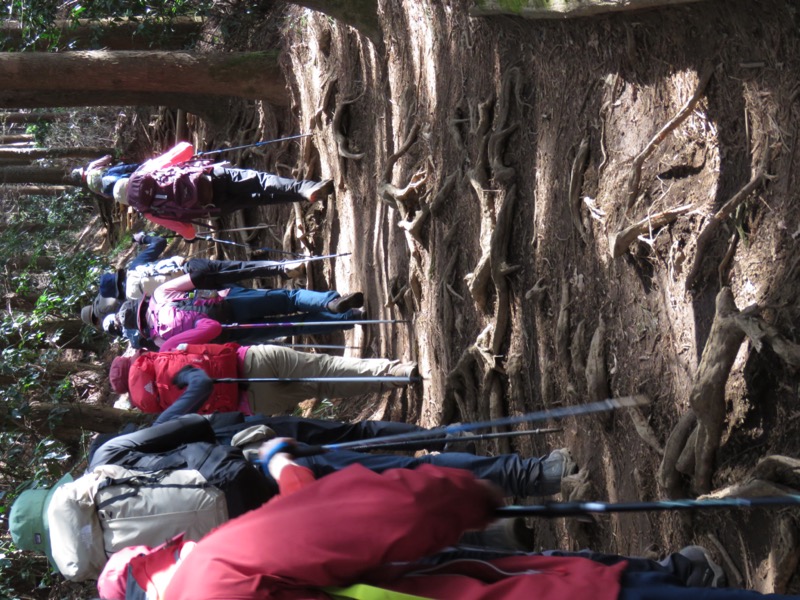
(121, 191)
(113, 581)
(118, 375)
(112, 285)
(28, 521)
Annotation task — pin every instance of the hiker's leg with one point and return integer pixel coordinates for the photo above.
(215, 274)
(664, 586)
(279, 361)
(250, 306)
(235, 189)
(515, 475)
(319, 431)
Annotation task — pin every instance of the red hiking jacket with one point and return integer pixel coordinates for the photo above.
(150, 377)
(349, 526)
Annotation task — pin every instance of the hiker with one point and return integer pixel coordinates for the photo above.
(145, 273)
(388, 537)
(188, 442)
(172, 191)
(192, 308)
(100, 177)
(147, 377)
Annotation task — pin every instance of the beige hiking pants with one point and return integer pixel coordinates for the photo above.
(277, 361)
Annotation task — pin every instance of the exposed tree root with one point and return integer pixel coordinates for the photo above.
(644, 430)
(710, 230)
(668, 476)
(562, 327)
(619, 241)
(414, 227)
(575, 185)
(578, 353)
(636, 168)
(391, 193)
(498, 268)
(596, 371)
(338, 134)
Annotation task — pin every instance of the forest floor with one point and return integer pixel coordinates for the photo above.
(486, 188)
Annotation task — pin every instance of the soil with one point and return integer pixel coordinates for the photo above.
(482, 170)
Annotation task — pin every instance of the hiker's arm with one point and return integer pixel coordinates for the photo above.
(204, 332)
(173, 289)
(290, 476)
(155, 246)
(100, 162)
(185, 230)
(198, 389)
(156, 439)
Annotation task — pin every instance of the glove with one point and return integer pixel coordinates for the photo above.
(188, 374)
(139, 236)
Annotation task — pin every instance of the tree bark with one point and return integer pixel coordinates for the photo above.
(359, 14)
(251, 75)
(561, 9)
(28, 117)
(68, 422)
(35, 190)
(37, 153)
(124, 34)
(14, 138)
(35, 175)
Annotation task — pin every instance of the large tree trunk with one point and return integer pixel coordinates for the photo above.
(560, 9)
(33, 190)
(36, 175)
(252, 75)
(28, 117)
(36, 153)
(68, 422)
(121, 34)
(208, 107)
(16, 138)
(359, 14)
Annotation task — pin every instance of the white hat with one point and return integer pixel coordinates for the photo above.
(121, 191)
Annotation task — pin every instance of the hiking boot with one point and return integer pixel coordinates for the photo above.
(404, 369)
(503, 534)
(557, 465)
(455, 444)
(705, 572)
(320, 190)
(294, 269)
(347, 302)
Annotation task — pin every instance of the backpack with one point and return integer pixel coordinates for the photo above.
(176, 316)
(180, 192)
(112, 507)
(150, 377)
(144, 279)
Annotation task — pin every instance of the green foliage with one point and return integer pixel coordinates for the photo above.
(38, 18)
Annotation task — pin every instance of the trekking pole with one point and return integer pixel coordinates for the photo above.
(419, 444)
(533, 417)
(322, 346)
(365, 379)
(573, 509)
(251, 228)
(256, 144)
(310, 324)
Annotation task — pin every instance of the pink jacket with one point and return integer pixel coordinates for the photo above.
(356, 526)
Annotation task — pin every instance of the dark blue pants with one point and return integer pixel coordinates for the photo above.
(259, 306)
(517, 476)
(664, 586)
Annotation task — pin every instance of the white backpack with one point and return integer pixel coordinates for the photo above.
(144, 279)
(111, 508)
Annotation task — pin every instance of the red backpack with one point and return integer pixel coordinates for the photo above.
(179, 192)
(150, 378)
